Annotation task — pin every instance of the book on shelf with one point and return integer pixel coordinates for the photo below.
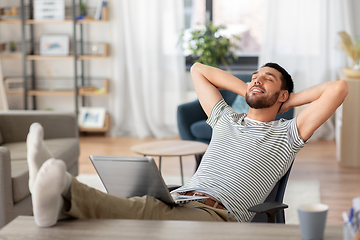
(101, 4)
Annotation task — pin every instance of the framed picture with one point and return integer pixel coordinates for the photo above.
(54, 45)
(49, 10)
(14, 84)
(91, 117)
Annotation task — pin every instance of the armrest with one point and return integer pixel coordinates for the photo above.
(187, 114)
(270, 208)
(14, 125)
(6, 200)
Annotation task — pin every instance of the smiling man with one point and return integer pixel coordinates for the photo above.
(247, 155)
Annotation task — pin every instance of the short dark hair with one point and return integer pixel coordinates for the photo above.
(286, 80)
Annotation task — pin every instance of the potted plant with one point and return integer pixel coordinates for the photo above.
(12, 46)
(208, 46)
(352, 48)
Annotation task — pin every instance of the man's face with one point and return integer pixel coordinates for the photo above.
(264, 89)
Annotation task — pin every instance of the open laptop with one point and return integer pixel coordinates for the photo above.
(136, 176)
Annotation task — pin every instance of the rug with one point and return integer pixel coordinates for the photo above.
(297, 192)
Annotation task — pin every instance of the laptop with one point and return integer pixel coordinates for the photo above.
(136, 176)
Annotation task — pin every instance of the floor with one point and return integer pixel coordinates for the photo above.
(317, 160)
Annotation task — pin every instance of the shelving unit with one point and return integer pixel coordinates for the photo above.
(80, 90)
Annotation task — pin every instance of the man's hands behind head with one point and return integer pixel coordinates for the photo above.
(286, 105)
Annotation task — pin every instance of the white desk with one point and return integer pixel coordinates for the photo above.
(25, 228)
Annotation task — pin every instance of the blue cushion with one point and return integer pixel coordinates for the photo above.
(201, 130)
(240, 105)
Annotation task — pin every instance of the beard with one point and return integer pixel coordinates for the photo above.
(261, 102)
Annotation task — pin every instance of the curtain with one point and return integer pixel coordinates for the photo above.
(302, 36)
(149, 67)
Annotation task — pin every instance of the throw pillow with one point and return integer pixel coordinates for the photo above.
(240, 105)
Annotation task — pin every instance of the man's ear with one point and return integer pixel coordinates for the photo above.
(283, 96)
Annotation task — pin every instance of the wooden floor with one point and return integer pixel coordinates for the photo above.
(317, 160)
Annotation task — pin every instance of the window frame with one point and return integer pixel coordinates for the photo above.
(243, 63)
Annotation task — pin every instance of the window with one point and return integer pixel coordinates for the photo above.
(241, 17)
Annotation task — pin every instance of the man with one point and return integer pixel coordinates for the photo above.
(247, 155)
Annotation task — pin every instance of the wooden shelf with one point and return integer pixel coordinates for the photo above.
(7, 55)
(14, 92)
(41, 57)
(80, 57)
(11, 21)
(50, 93)
(64, 92)
(103, 129)
(32, 21)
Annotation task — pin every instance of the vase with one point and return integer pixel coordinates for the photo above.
(352, 72)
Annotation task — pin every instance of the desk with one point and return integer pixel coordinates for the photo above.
(170, 148)
(24, 228)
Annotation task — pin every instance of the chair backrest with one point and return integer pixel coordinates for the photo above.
(276, 195)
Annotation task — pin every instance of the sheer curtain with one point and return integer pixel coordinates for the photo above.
(302, 36)
(148, 66)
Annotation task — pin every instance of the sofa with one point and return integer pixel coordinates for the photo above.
(61, 137)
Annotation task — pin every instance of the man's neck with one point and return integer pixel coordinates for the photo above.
(262, 115)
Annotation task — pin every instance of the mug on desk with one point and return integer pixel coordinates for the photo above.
(312, 220)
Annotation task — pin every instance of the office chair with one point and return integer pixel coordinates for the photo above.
(272, 210)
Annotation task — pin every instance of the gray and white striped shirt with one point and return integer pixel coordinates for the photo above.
(244, 160)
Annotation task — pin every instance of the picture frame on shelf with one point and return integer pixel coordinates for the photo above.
(14, 84)
(49, 10)
(54, 45)
(91, 117)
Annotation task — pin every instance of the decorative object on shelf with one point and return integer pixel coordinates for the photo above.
(99, 10)
(54, 45)
(49, 10)
(82, 9)
(352, 49)
(14, 84)
(9, 13)
(94, 49)
(12, 46)
(2, 47)
(209, 46)
(91, 117)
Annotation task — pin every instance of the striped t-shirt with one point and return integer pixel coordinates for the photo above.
(244, 160)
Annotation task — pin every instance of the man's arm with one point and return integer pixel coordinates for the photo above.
(208, 79)
(323, 101)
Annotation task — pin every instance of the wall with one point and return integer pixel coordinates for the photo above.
(356, 15)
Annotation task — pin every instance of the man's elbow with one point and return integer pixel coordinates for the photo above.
(342, 88)
(195, 66)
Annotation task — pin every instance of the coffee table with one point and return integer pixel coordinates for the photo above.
(170, 148)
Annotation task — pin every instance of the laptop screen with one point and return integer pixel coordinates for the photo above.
(131, 176)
